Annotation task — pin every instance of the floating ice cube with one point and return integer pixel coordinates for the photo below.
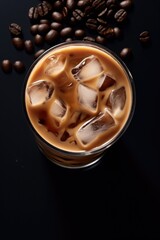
(105, 81)
(88, 68)
(55, 65)
(90, 131)
(40, 91)
(116, 100)
(88, 98)
(58, 108)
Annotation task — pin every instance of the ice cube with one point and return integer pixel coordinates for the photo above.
(88, 68)
(40, 91)
(94, 128)
(58, 108)
(116, 100)
(55, 65)
(88, 98)
(105, 81)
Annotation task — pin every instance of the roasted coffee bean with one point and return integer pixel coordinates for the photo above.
(78, 14)
(19, 66)
(110, 13)
(43, 28)
(107, 32)
(79, 33)
(51, 36)
(29, 47)
(18, 43)
(38, 39)
(126, 4)
(58, 5)
(33, 13)
(66, 32)
(109, 3)
(70, 4)
(34, 29)
(100, 39)
(89, 39)
(68, 40)
(144, 37)
(56, 26)
(43, 20)
(120, 15)
(57, 16)
(43, 8)
(102, 21)
(38, 53)
(103, 13)
(89, 11)
(83, 3)
(15, 29)
(91, 23)
(117, 32)
(126, 53)
(65, 12)
(98, 5)
(6, 66)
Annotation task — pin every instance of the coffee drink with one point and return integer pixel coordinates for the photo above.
(79, 99)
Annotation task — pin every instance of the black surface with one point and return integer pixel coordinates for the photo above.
(117, 198)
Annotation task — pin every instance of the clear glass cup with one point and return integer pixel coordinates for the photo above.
(83, 158)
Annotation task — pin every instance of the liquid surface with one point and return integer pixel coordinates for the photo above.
(78, 97)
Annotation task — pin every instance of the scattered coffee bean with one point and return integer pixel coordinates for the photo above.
(126, 4)
(56, 26)
(68, 40)
(15, 29)
(88, 38)
(66, 32)
(79, 33)
(18, 43)
(44, 8)
(126, 53)
(6, 66)
(19, 66)
(58, 5)
(78, 14)
(117, 32)
(43, 20)
(43, 28)
(144, 37)
(101, 40)
(51, 36)
(29, 47)
(70, 4)
(38, 39)
(57, 16)
(34, 29)
(38, 53)
(120, 15)
(33, 13)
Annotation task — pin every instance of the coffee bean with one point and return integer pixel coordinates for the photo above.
(70, 4)
(91, 23)
(65, 12)
(15, 29)
(6, 66)
(44, 8)
(19, 66)
(79, 33)
(33, 13)
(18, 43)
(120, 15)
(29, 47)
(34, 29)
(56, 26)
(57, 5)
(126, 4)
(57, 16)
(43, 20)
(66, 32)
(101, 40)
(144, 37)
(43, 28)
(38, 39)
(117, 32)
(126, 53)
(78, 14)
(68, 40)
(82, 3)
(98, 5)
(89, 39)
(38, 53)
(51, 36)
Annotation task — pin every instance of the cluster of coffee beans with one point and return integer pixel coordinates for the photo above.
(52, 22)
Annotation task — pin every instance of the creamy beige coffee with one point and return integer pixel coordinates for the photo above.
(78, 98)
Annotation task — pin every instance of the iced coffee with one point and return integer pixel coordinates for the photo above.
(79, 99)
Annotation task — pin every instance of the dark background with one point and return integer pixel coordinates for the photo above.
(119, 197)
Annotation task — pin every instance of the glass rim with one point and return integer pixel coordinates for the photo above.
(107, 144)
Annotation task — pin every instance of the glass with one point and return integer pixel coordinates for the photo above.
(87, 157)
